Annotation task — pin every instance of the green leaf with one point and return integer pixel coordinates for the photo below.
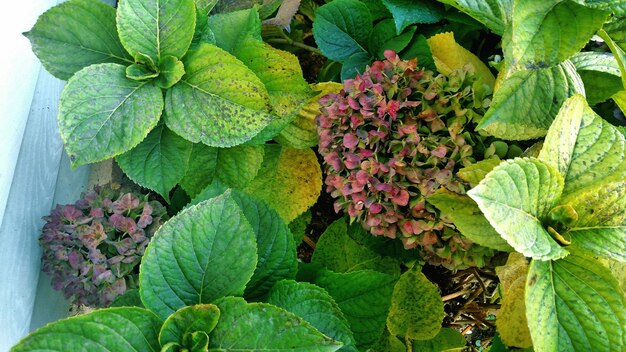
(575, 304)
(187, 320)
(281, 74)
(341, 28)
(170, 72)
(276, 247)
(130, 298)
(232, 28)
(618, 7)
(601, 224)
(474, 173)
(600, 74)
(389, 343)
(542, 33)
(618, 53)
(416, 308)
(219, 101)
(158, 162)
(337, 251)
(156, 28)
(355, 65)
(468, 219)
(200, 170)
(585, 149)
(408, 12)
(316, 306)
(205, 252)
(492, 13)
(384, 37)
(260, 326)
(298, 226)
(205, 6)
(446, 339)
(527, 102)
(301, 133)
(289, 180)
(140, 72)
(103, 114)
(364, 298)
(114, 329)
(515, 197)
(235, 166)
(74, 35)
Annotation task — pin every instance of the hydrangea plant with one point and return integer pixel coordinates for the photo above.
(92, 248)
(392, 137)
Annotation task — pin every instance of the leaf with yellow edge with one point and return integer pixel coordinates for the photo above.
(289, 180)
(511, 323)
(301, 132)
(449, 56)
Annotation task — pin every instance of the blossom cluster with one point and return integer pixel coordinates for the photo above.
(392, 137)
(92, 248)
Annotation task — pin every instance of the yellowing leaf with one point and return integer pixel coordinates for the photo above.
(301, 132)
(449, 56)
(511, 323)
(289, 180)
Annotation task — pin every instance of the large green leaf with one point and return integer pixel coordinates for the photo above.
(316, 306)
(364, 298)
(600, 73)
(601, 224)
(205, 252)
(235, 166)
(103, 114)
(416, 308)
(187, 320)
(527, 101)
(275, 243)
(76, 34)
(159, 162)
(384, 37)
(408, 12)
(575, 304)
(494, 14)
(281, 74)
(233, 28)
(337, 251)
(585, 149)
(355, 65)
(289, 180)
(515, 197)
(114, 329)
(156, 28)
(468, 219)
(341, 28)
(219, 101)
(264, 327)
(542, 33)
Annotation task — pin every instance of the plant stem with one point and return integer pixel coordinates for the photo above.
(296, 44)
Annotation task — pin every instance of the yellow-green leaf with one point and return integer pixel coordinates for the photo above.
(416, 308)
(511, 322)
(289, 180)
(301, 132)
(449, 56)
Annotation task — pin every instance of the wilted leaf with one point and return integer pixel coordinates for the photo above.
(511, 322)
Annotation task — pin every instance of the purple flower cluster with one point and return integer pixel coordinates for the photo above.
(392, 137)
(92, 248)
